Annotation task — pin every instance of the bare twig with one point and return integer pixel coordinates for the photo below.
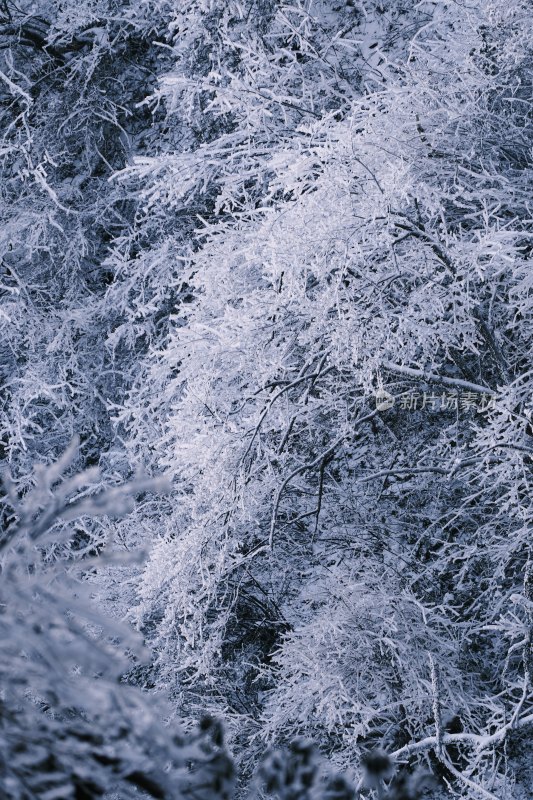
(300, 379)
(323, 457)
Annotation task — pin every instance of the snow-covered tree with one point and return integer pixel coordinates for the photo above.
(336, 566)
(281, 251)
(70, 726)
(71, 78)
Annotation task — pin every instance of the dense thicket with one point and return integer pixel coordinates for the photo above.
(281, 251)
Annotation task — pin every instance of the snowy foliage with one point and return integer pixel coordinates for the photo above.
(281, 251)
(71, 728)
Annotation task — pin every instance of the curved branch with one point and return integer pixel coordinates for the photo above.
(319, 460)
(473, 740)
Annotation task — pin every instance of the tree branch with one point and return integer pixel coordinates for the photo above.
(473, 740)
(323, 457)
(432, 377)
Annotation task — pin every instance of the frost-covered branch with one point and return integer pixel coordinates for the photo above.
(432, 377)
